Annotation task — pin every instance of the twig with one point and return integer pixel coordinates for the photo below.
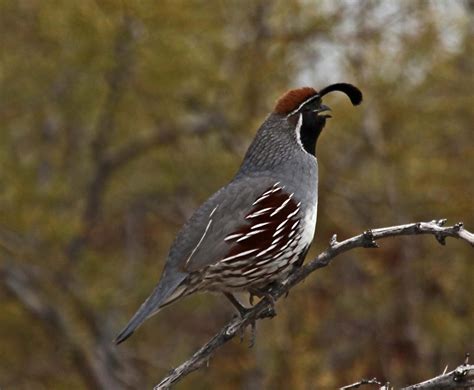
(264, 308)
(362, 382)
(460, 378)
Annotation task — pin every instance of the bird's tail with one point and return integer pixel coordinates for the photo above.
(163, 294)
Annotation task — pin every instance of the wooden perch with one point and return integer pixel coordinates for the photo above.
(264, 308)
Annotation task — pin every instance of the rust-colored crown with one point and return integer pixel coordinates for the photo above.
(292, 99)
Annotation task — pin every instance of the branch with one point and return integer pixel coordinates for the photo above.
(362, 382)
(264, 308)
(461, 377)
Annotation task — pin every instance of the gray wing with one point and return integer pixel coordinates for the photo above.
(232, 214)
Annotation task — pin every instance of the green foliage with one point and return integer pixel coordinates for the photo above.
(118, 118)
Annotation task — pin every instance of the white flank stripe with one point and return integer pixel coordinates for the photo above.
(282, 224)
(273, 189)
(260, 225)
(250, 271)
(250, 234)
(278, 231)
(266, 261)
(266, 250)
(295, 224)
(232, 236)
(293, 213)
(213, 211)
(276, 240)
(286, 245)
(282, 206)
(238, 255)
(258, 213)
(264, 196)
(202, 237)
(276, 189)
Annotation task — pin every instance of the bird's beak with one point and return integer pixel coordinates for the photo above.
(323, 108)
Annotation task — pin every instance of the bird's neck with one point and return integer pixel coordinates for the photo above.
(275, 147)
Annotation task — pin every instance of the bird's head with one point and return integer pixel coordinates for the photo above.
(304, 110)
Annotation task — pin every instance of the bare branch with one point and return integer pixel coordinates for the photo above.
(460, 378)
(264, 308)
(362, 382)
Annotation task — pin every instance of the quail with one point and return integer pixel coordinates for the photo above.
(258, 228)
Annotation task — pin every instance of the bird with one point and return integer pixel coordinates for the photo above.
(256, 230)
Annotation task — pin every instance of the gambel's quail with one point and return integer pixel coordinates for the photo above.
(254, 231)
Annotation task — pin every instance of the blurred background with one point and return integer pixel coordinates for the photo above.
(117, 119)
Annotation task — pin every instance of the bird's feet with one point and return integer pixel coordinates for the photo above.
(240, 308)
(243, 311)
(264, 294)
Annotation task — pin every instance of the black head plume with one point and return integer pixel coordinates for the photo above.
(350, 90)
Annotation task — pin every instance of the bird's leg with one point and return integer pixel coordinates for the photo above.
(243, 311)
(251, 296)
(240, 308)
(253, 333)
(265, 293)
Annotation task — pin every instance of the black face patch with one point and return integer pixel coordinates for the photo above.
(311, 127)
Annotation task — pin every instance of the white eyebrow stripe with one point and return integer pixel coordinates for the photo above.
(302, 104)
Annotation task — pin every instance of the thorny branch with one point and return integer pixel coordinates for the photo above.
(462, 377)
(360, 383)
(264, 308)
